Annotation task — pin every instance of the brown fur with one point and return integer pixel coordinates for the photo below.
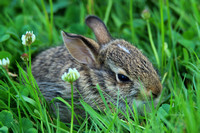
(98, 63)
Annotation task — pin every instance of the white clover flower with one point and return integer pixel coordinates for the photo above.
(24, 57)
(71, 76)
(5, 62)
(146, 14)
(28, 38)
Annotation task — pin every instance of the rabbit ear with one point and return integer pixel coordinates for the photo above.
(83, 49)
(99, 29)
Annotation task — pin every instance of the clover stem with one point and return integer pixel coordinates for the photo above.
(29, 57)
(72, 108)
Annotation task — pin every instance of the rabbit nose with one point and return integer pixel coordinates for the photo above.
(156, 92)
(155, 95)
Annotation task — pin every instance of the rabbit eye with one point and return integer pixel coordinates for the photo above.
(123, 78)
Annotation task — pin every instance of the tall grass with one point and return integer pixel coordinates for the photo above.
(173, 30)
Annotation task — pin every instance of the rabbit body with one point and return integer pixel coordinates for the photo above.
(118, 67)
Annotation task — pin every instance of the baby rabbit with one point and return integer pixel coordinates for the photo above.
(118, 67)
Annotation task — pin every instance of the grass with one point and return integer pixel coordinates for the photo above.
(173, 29)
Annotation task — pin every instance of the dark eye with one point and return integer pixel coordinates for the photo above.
(123, 78)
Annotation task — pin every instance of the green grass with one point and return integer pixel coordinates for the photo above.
(173, 31)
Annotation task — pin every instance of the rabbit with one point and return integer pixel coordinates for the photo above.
(118, 67)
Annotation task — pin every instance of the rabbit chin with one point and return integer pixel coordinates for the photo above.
(145, 106)
(139, 106)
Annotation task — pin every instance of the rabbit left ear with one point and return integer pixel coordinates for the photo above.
(82, 49)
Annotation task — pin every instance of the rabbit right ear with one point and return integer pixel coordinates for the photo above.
(99, 29)
(83, 49)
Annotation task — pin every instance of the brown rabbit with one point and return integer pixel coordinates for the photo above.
(117, 66)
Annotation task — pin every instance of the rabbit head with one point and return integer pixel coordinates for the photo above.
(115, 64)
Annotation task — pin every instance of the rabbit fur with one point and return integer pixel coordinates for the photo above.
(117, 66)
